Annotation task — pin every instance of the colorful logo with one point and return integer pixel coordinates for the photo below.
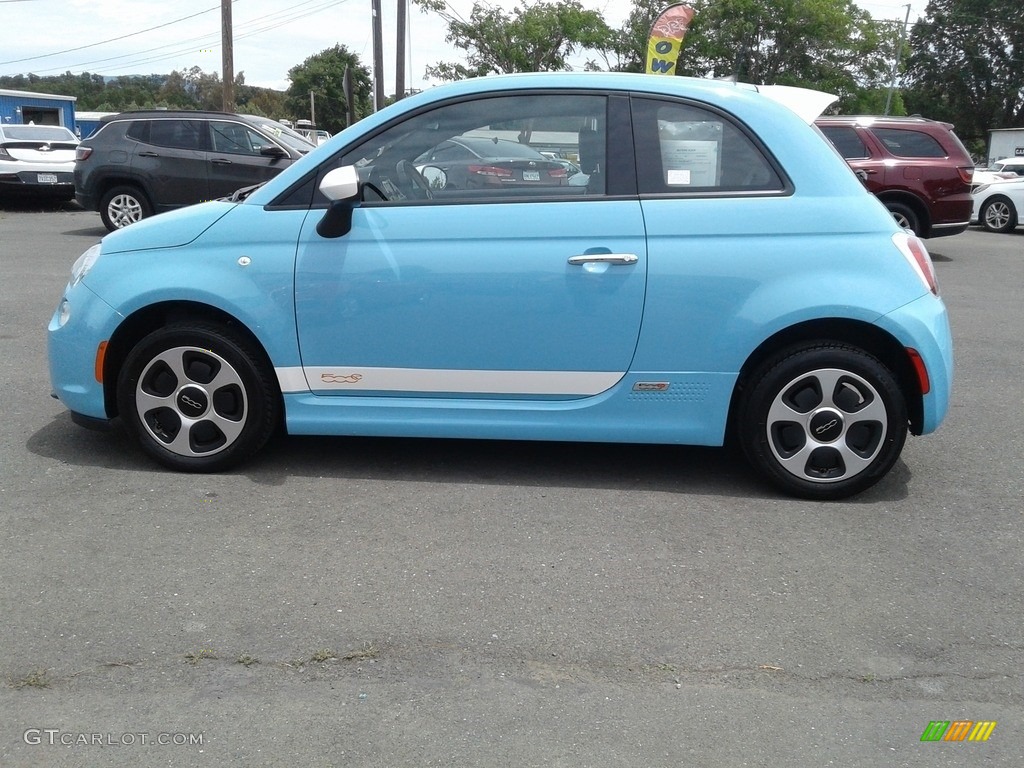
(958, 730)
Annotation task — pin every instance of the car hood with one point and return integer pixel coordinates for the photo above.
(168, 230)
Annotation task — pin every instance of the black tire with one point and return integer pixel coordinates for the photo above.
(197, 397)
(122, 206)
(905, 217)
(822, 421)
(998, 214)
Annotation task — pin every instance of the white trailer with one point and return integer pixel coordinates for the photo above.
(1004, 143)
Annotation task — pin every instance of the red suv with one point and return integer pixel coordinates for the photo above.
(917, 167)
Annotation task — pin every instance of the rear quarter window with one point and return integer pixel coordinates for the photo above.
(846, 139)
(138, 130)
(905, 143)
(686, 149)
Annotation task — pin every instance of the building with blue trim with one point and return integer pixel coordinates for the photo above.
(24, 107)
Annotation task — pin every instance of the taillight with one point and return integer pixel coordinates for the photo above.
(913, 250)
(490, 170)
(966, 173)
(557, 173)
(82, 153)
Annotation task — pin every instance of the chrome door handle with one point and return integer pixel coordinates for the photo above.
(604, 258)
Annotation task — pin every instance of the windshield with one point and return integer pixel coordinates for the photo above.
(282, 133)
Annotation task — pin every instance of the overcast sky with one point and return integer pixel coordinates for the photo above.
(119, 37)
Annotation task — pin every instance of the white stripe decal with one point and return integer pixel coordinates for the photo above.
(291, 379)
(295, 379)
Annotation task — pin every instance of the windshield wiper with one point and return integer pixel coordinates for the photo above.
(241, 194)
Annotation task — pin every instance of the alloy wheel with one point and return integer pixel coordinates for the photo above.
(192, 401)
(826, 425)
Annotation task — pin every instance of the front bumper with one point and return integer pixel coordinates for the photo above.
(80, 323)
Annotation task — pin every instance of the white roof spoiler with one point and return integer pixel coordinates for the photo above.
(807, 103)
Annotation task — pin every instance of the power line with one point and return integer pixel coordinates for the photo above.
(250, 28)
(111, 40)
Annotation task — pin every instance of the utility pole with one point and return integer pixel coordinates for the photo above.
(400, 61)
(350, 107)
(378, 57)
(896, 63)
(227, 56)
(312, 108)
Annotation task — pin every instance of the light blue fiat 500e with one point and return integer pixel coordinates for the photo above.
(574, 257)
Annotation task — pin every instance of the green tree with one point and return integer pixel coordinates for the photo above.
(260, 101)
(829, 45)
(192, 89)
(174, 92)
(967, 66)
(323, 75)
(533, 38)
(629, 44)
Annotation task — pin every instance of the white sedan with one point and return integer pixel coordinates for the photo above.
(997, 206)
(985, 176)
(37, 160)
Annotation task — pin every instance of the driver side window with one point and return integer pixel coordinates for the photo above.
(536, 147)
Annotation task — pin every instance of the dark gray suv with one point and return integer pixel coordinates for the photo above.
(140, 163)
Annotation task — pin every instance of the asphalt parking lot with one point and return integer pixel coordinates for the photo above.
(366, 602)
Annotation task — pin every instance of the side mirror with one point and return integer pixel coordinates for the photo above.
(435, 177)
(272, 150)
(341, 184)
(341, 187)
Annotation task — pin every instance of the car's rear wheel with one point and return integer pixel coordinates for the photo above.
(905, 216)
(822, 421)
(122, 206)
(198, 398)
(998, 215)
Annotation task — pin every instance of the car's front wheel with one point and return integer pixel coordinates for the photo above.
(122, 206)
(822, 421)
(198, 398)
(998, 214)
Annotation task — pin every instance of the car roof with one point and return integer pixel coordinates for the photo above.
(688, 87)
(135, 114)
(892, 120)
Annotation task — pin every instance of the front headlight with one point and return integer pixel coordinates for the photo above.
(83, 264)
(980, 188)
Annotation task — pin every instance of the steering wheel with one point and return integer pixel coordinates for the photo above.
(412, 179)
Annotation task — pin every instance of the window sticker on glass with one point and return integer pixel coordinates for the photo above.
(677, 177)
(690, 152)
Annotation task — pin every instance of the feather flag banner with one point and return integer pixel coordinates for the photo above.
(666, 39)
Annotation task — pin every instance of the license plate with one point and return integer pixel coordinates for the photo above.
(46, 178)
(531, 175)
